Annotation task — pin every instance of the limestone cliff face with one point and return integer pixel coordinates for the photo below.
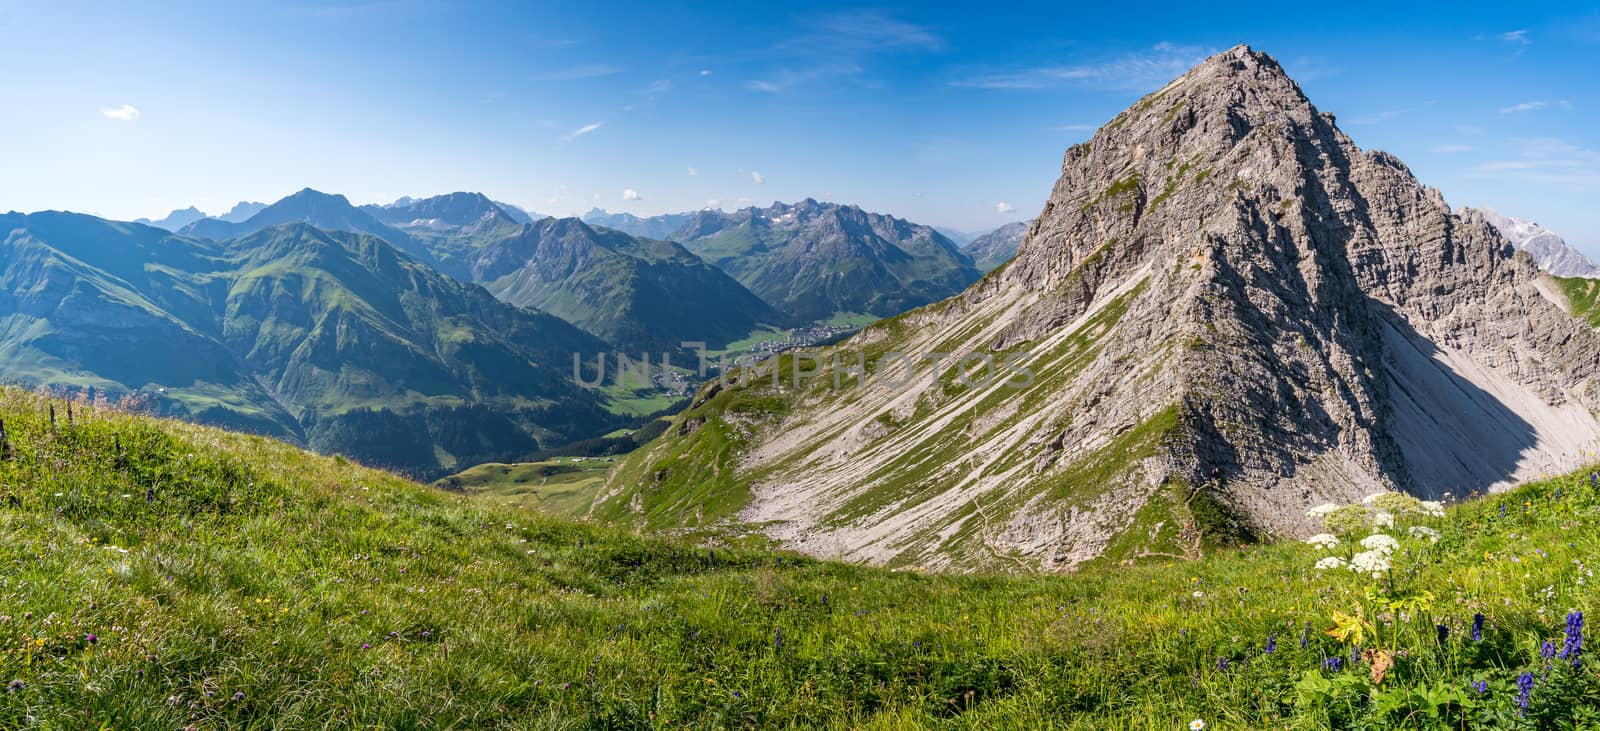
(1232, 312)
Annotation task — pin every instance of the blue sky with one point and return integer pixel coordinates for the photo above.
(953, 115)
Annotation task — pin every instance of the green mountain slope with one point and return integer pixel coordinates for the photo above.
(643, 295)
(452, 227)
(817, 261)
(329, 338)
(155, 574)
(996, 247)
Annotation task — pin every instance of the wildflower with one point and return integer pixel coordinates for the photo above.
(366, 646)
(1321, 511)
(1370, 499)
(1477, 627)
(1198, 594)
(1197, 725)
(1433, 508)
(91, 639)
(1328, 562)
(1272, 644)
(238, 696)
(1380, 542)
(1325, 541)
(1372, 563)
(1444, 633)
(1547, 649)
(1222, 663)
(1574, 644)
(1305, 635)
(1502, 510)
(14, 686)
(1422, 531)
(1383, 519)
(1334, 663)
(1482, 686)
(1524, 688)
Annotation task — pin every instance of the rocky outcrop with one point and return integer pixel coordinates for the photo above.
(1546, 247)
(1231, 312)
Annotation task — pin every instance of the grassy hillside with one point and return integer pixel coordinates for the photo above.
(155, 574)
(563, 486)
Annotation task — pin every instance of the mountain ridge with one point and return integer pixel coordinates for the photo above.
(1232, 313)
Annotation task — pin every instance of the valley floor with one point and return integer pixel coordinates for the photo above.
(155, 574)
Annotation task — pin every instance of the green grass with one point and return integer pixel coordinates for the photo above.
(259, 586)
(564, 486)
(1581, 293)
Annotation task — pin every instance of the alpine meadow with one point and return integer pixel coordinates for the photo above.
(452, 370)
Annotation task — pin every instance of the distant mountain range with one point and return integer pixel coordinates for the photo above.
(996, 247)
(332, 339)
(652, 227)
(817, 261)
(1548, 249)
(176, 219)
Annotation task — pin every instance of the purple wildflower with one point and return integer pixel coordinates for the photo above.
(366, 646)
(1482, 686)
(1574, 644)
(1272, 644)
(1334, 663)
(91, 639)
(1444, 633)
(1222, 664)
(14, 686)
(1355, 656)
(1547, 649)
(1477, 627)
(1502, 510)
(1524, 689)
(1305, 635)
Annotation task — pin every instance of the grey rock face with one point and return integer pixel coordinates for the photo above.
(1548, 249)
(1232, 313)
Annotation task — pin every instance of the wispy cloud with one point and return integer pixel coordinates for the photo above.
(784, 79)
(1519, 37)
(1076, 127)
(629, 194)
(573, 73)
(659, 87)
(758, 177)
(1524, 107)
(1547, 160)
(705, 72)
(581, 131)
(1134, 71)
(1451, 149)
(1380, 117)
(693, 171)
(869, 31)
(124, 113)
(1003, 207)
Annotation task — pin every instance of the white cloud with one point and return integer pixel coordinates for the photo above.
(125, 113)
(1004, 207)
(705, 72)
(1524, 107)
(1448, 149)
(629, 194)
(693, 171)
(713, 203)
(660, 86)
(1137, 71)
(869, 31)
(1519, 37)
(758, 177)
(1076, 128)
(581, 131)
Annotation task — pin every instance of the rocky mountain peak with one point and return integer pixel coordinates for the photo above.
(1232, 312)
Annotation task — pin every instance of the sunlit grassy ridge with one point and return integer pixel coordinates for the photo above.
(157, 575)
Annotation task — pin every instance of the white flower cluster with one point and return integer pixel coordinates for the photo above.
(1324, 541)
(1433, 508)
(1380, 542)
(1371, 563)
(1329, 562)
(1321, 511)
